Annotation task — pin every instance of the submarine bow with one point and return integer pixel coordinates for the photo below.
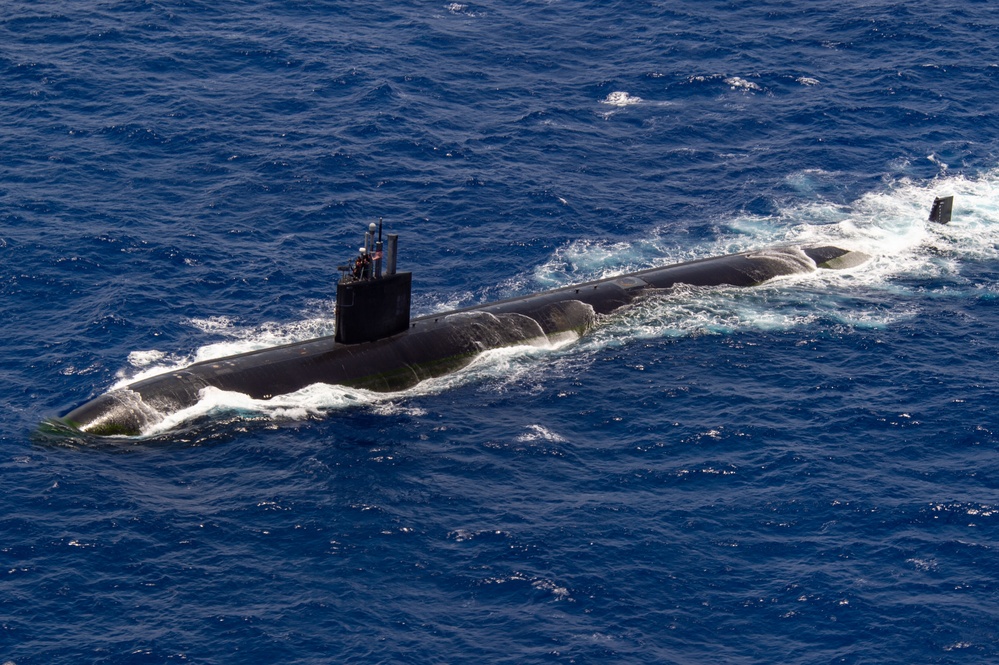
(377, 347)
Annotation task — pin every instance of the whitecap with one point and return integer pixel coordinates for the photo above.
(212, 323)
(542, 433)
(739, 83)
(145, 358)
(619, 98)
(939, 162)
(459, 8)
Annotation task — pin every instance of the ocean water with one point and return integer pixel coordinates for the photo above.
(803, 472)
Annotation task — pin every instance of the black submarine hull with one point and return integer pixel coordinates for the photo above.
(432, 345)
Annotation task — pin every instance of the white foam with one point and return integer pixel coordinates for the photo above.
(739, 83)
(620, 98)
(145, 358)
(540, 433)
(459, 8)
(499, 367)
(890, 226)
(213, 324)
(240, 340)
(585, 260)
(150, 363)
(310, 402)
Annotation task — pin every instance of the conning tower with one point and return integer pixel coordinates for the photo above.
(371, 304)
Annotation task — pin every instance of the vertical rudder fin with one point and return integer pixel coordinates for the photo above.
(942, 208)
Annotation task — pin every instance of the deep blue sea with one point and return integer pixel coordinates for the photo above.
(802, 472)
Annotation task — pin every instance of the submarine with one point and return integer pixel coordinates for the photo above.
(377, 346)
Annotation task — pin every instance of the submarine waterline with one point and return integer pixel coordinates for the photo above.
(377, 347)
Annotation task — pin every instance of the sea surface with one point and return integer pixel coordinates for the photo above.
(803, 472)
